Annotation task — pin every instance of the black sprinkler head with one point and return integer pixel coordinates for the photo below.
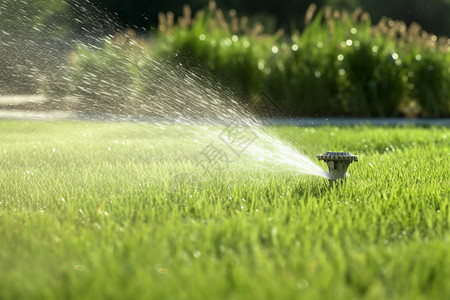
(337, 163)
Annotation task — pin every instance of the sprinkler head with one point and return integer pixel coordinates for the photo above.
(337, 163)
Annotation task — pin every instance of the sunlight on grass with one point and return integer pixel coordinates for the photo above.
(97, 209)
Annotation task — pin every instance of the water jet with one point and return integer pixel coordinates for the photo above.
(91, 76)
(337, 163)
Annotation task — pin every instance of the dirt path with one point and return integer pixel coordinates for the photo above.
(17, 100)
(21, 99)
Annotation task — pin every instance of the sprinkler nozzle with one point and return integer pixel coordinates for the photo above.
(337, 163)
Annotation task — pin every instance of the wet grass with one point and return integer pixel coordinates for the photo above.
(111, 210)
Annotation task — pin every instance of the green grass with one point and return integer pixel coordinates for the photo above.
(91, 210)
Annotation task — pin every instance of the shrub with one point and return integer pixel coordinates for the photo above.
(106, 79)
(340, 65)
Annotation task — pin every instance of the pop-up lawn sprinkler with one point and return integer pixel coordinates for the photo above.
(337, 163)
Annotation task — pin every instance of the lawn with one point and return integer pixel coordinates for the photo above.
(92, 210)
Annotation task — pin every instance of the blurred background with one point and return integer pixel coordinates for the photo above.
(433, 16)
(287, 58)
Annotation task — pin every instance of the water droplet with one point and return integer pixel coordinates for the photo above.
(274, 49)
(261, 64)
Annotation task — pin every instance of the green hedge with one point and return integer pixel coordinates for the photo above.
(340, 65)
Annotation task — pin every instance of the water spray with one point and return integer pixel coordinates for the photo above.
(337, 163)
